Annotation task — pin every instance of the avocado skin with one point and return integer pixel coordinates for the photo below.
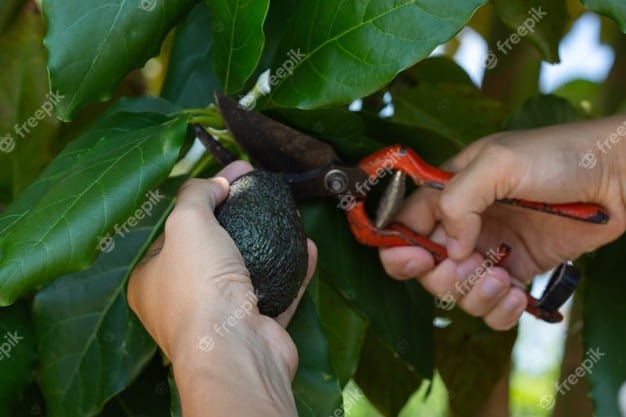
(261, 217)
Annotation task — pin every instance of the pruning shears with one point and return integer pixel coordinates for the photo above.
(313, 169)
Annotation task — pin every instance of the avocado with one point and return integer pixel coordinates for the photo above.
(261, 217)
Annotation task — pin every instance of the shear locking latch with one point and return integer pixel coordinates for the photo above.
(560, 287)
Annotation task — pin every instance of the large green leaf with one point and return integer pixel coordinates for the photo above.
(615, 9)
(238, 39)
(543, 110)
(336, 51)
(542, 22)
(386, 381)
(458, 113)
(18, 352)
(586, 96)
(399, 313)
(53, 228)
(92, 45)
(437, 96)
(467, 350)
(191, 80)
(604, 332)
(315, 387)
(345, 330)
(8, 9)
(91, 345)
(27, 127)
(148, 396)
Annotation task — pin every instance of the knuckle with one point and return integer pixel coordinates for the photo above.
(474, 310)
(182, 216)
(449, 206)
(500, 153)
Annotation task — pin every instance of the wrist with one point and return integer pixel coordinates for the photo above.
(237, 374)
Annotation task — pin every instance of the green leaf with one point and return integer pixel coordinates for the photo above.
(615, 9)
(274, 29)
(238, 39)
(91, 345)
(315, 387)
(490, 360)
(175, 410)
(603, 331)
(149, 395)
(437, 96)
(92, 45)
(18, 352)
(95, 183)
(386, 381)
(8, 9)
(584, 95)
(191, 80)
(27, 127)
(542, 22)
(434, 70)
(400, 313)
(345, 330)
(458, 113)
(334, 52)
(543, 110)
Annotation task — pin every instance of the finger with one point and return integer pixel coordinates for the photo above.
(488, 290)
(450, 278)
(488, 177)
(406, 262)
(467, 155)
(285, 317)
(508, 311)
(203, 194)
(419, 211)
(235, 170)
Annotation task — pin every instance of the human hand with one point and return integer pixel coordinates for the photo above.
(193, 294)
(540, 165)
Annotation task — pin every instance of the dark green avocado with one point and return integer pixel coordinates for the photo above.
(261, 217)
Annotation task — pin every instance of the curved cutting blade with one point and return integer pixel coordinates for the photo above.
(272, 145)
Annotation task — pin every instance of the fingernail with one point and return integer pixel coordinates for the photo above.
(412, 269)
(467, 268)
(492, 287)
(513, 303)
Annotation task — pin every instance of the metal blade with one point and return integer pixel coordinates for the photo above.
(272, 145)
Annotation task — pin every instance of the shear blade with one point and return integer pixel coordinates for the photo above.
(272, 145)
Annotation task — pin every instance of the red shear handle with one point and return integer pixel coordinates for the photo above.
(366, 233)
(399, 235)
(397, 157)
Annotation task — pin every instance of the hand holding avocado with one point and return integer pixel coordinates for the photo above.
(194, 295)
